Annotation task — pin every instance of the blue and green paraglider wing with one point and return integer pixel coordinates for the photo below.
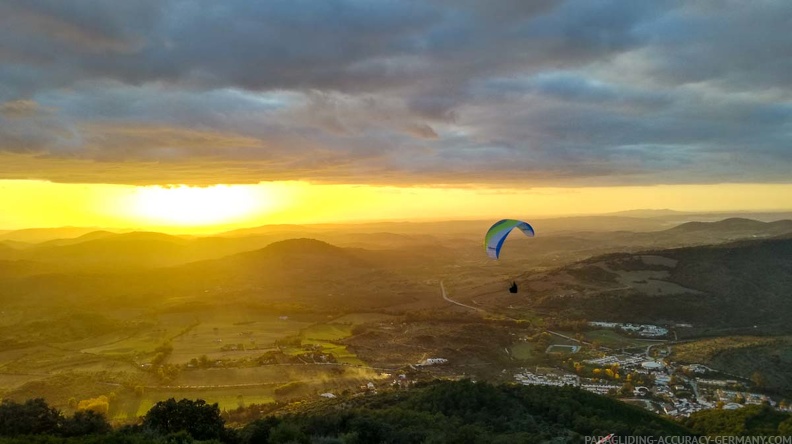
(493, 240)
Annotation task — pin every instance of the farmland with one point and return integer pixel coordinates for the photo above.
(226, 356)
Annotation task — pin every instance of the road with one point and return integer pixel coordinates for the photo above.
(570, 338)
(445, 296)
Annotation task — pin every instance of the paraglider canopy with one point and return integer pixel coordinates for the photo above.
(493, 240)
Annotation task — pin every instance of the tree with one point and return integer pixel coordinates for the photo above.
(258, 431)
(84, 423)
(626, 389)
(785, 428)
(287, 433)
(758, 379)
(201, 420)
(100, 405)
(34, 417)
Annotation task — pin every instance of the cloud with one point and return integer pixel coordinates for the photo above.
(550, 92)
(19, 108)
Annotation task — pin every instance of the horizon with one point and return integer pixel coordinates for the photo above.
(213, 209)
(215, 230)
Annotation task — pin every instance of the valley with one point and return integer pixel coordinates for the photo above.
(287, 315)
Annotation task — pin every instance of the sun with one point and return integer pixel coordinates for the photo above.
(191, 206)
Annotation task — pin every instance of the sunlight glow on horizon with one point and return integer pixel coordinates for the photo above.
(187, 206)
(193, 210)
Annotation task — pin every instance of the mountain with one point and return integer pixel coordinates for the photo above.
(554, 249)
(734, 227)
(35, 235)
(271, 229)
(303, 271)
(735, 287)
(8, 252)
(649, 213)
(297, 272)
(80, 239)
(112, 250)
(21, 268)
(102, 250)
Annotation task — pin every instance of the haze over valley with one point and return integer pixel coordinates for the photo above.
(278, 314)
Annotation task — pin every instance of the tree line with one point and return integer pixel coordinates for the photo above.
(437, 412)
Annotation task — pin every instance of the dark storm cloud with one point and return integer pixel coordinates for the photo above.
(552, 92)
(736, 45)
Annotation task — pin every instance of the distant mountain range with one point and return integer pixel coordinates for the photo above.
(736, 226)
(136, 266)
(36, 235)
(556, 238)
(631, 220)
(104, 250)
(649, 213)
(304, 272)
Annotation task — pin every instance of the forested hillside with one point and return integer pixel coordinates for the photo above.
(438, 412)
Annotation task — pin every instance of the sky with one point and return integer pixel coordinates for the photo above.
(362, 110)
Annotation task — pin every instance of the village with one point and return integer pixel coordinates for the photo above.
(656, 384)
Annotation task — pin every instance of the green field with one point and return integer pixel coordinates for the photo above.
(218, 336)
(323, 338)
(131, 407)
(247, 337)
(612, 339)
(232, 342)
(363, 318)
(232, 387)
(327, 332)
(523, 351)
(703, 351)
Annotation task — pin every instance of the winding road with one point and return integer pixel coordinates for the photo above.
(445, 296)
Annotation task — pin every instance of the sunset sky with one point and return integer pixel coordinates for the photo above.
(199, 114)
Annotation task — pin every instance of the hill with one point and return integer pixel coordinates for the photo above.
(76, 240)
(464, 411)
(106, 251)
(103, 250)
(299, 272)
(552, 248)
(304, 271)
(8, 252)
(698, 233)
(753, 420)
(441, 411)
(726, 288)
(649, 213)
(35, 235)
(560, 240)
(733, 228)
